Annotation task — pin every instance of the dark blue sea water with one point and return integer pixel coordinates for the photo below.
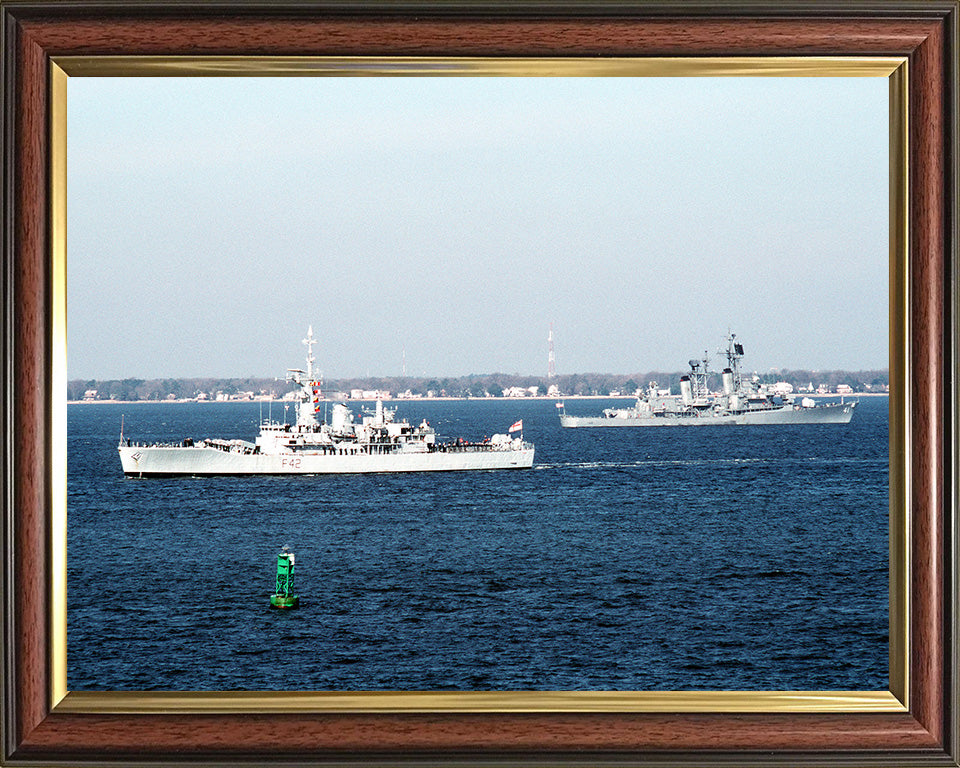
(701, 558)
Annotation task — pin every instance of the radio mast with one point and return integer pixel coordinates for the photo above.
(551, 359)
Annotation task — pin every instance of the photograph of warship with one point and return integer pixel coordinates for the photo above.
(376, 443)
(739, 402)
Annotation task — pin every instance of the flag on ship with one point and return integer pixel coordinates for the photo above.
(516, 425)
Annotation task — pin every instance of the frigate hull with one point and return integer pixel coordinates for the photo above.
(159, 461)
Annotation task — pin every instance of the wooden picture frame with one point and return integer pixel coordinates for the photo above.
(40, 726)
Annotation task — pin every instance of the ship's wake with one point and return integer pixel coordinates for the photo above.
(653, 463)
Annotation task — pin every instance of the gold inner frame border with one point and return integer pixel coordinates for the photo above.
(378, 702)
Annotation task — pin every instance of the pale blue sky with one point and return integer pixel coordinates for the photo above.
(211, 220)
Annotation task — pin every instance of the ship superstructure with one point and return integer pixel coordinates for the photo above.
(377, 442)
(738, 402)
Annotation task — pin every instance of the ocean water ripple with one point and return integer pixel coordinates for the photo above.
(708, 558)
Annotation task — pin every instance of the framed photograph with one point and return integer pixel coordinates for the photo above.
(548, 715)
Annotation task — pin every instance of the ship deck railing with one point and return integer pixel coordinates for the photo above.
(241, 446)
(475, 447)
(387, 448)
(127, 443)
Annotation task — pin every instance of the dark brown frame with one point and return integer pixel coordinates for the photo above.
(924, 32)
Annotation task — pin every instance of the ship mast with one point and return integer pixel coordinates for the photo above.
(309, 342)
(734, 353)
(306, 408)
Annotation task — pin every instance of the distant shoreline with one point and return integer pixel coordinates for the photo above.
(427, 399)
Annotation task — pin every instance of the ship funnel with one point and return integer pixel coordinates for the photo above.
(686, 391)
(306, 413)
(340, 418)
(727, 381)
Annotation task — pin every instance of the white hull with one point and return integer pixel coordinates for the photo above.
(376, 443)
(831, 413)
(153, 461)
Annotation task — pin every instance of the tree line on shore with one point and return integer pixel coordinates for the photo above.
(474, 385)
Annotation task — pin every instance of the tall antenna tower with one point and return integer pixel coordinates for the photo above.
(551, 358)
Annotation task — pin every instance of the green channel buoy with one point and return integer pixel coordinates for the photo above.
(284, 596)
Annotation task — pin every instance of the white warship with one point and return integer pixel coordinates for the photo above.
(739, 402)
(375, 443)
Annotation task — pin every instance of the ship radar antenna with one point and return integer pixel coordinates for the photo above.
(309, 342)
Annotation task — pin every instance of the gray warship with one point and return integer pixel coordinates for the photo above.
(739, 402)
